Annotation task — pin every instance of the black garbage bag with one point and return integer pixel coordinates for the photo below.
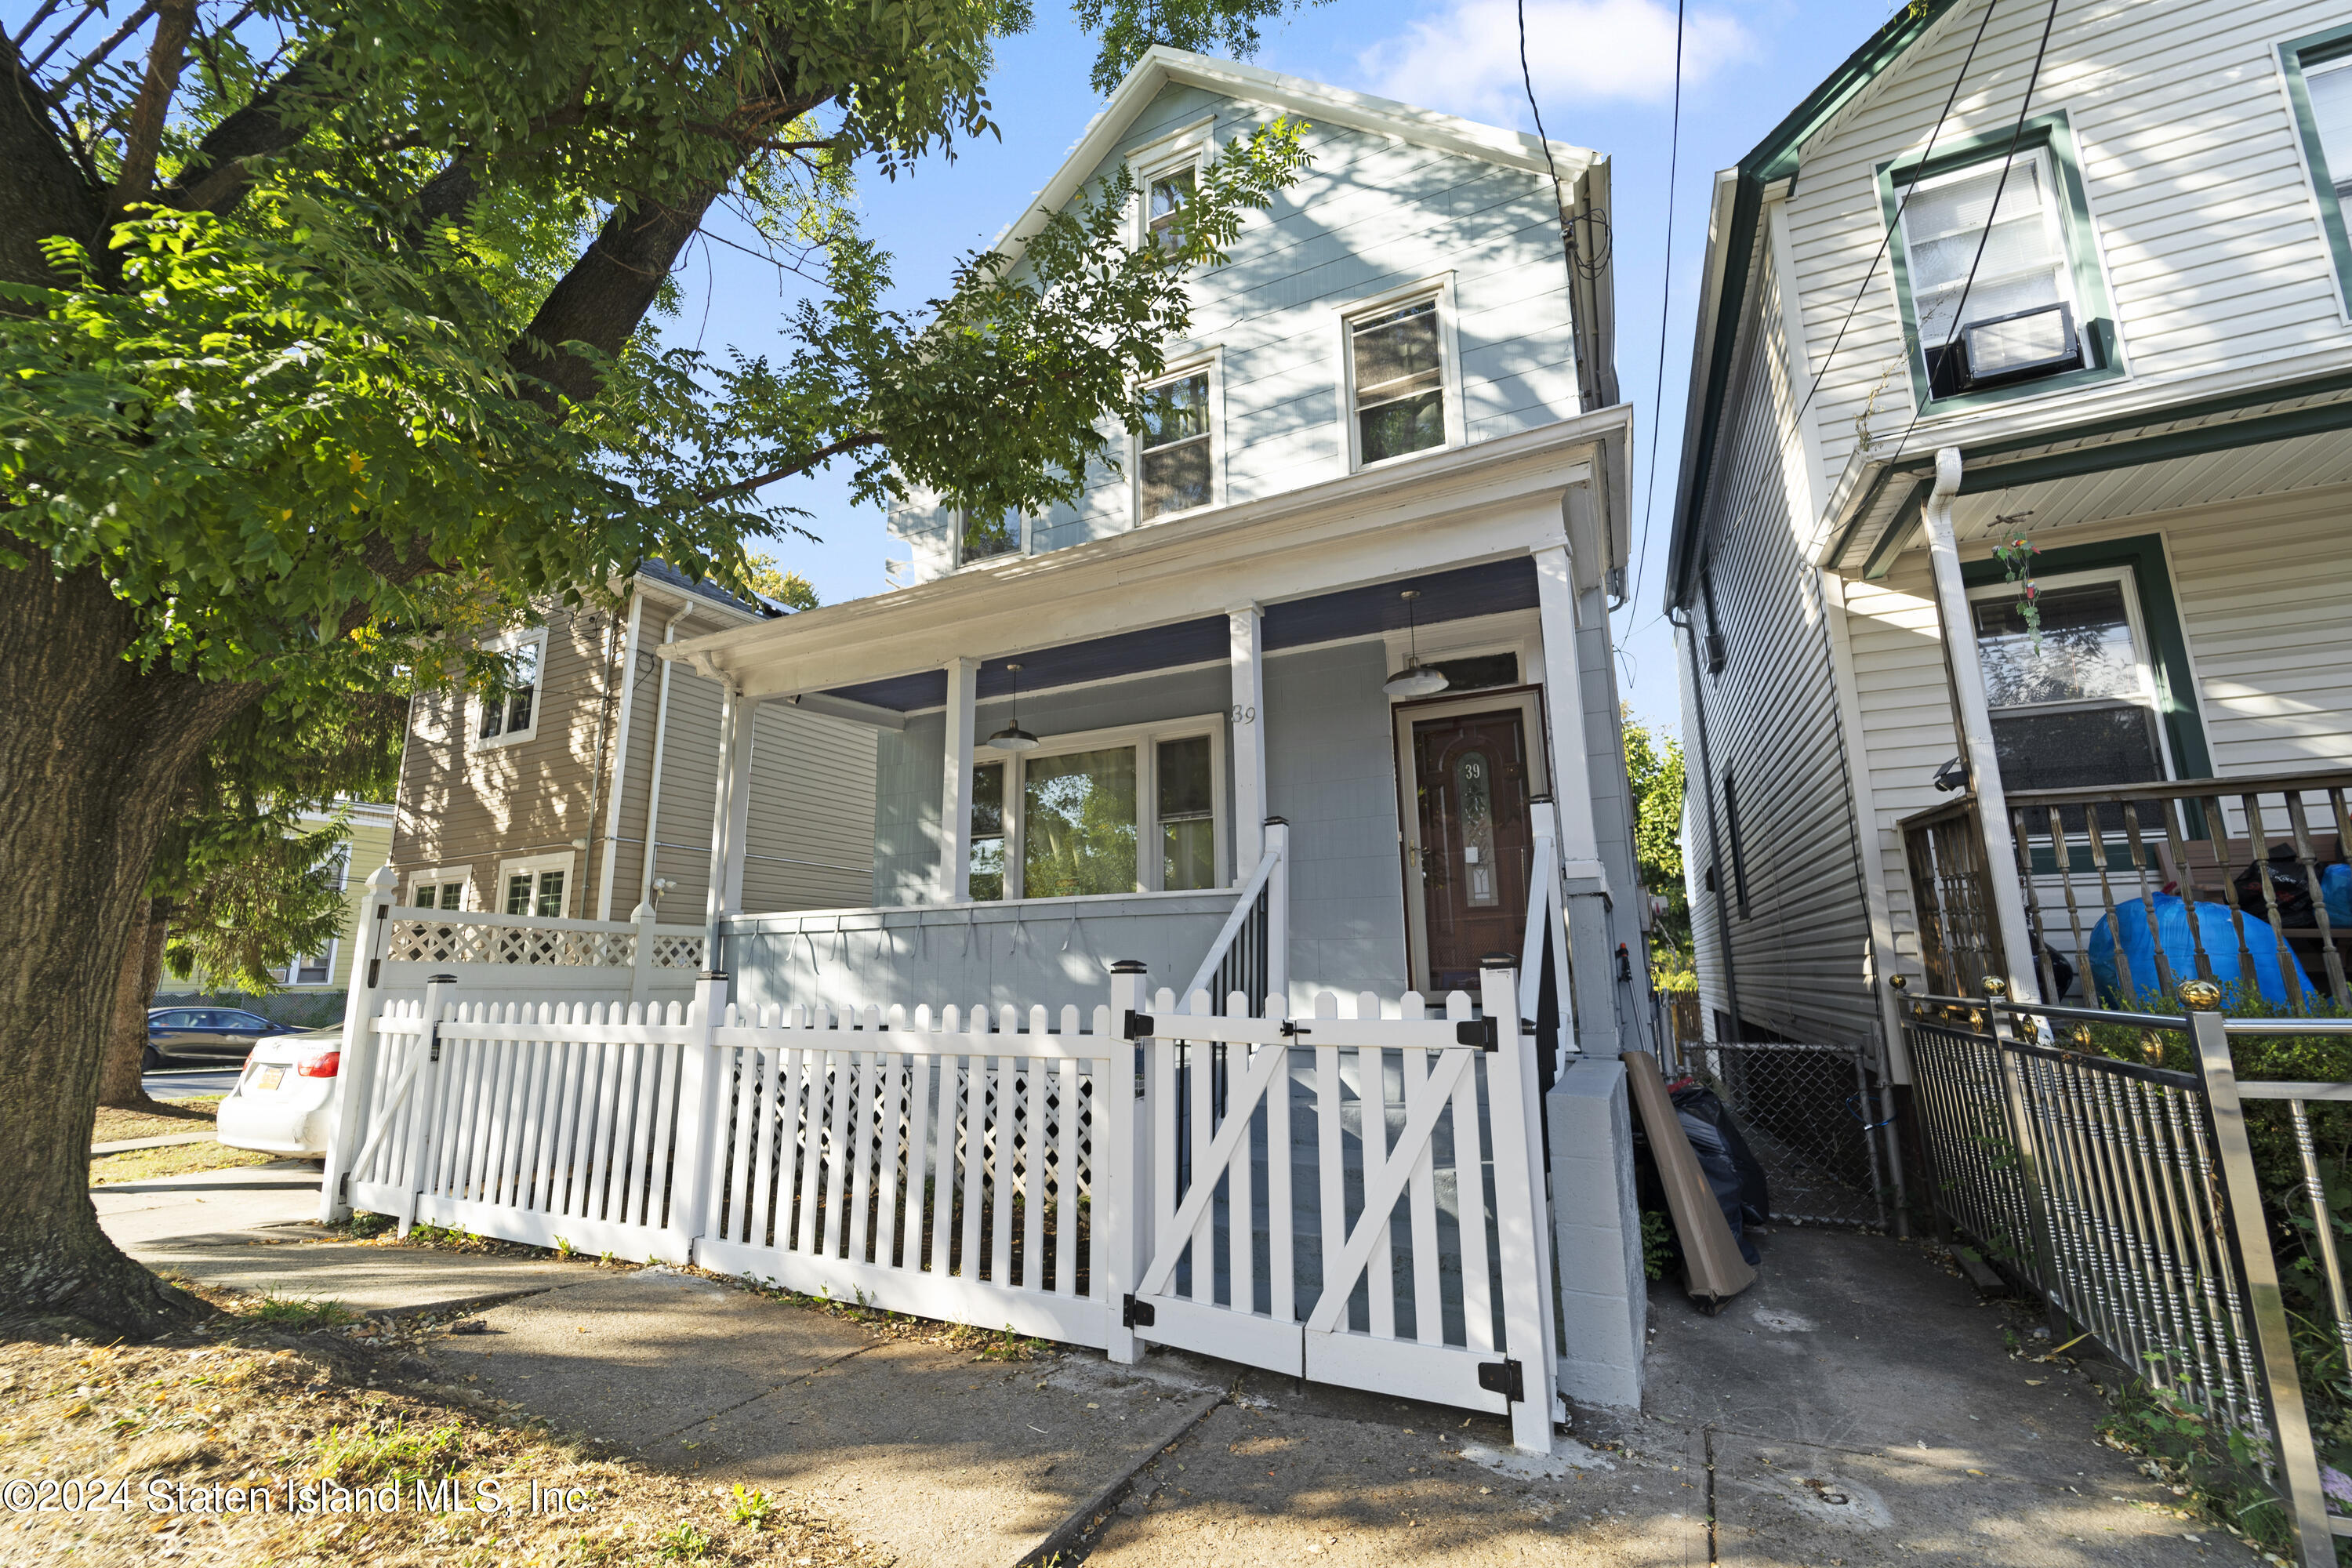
(1732, 1170)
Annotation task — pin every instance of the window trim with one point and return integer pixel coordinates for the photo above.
(2051, 134)
(436, 875)
(1212, 360)
(2159, 613)
(1190, 144)
(2151, 693)
(1738, 846)
(478, 741)
(2325, 48)
(1144, 738)
(1449, 352)
(959, 519)
(564, 860)
(291, 970)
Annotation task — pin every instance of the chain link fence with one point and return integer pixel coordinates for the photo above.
(1815, 1117)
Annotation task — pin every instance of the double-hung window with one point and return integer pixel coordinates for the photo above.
(2075, 704)
(1177, 449)
(508, 710)
(2319, 82)
(1396, 361)
(1120, 811)
(986, 537)
(1166, 199)
(1996, 268)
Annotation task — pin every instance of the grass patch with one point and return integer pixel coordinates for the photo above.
(294, 1314)
(194, 1114)
(235, 1408)
(179, 1159)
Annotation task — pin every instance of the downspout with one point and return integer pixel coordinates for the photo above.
(1976, 733)
(1714, 837)
(653, 788)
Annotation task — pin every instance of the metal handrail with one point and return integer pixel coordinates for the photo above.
(1243, 905)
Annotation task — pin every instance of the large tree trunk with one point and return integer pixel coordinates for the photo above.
(90, 746)
(121, 1077)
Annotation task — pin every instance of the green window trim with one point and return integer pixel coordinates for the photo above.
(2311, 49)
(2152, 581)
(2098, 324)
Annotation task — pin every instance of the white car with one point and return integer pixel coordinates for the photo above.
(281, 1100)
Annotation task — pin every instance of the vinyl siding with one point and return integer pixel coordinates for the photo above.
(2205, 219)
(1372, 214)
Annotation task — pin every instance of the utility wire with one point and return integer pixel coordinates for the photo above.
(1558, 192)
(1665, 302)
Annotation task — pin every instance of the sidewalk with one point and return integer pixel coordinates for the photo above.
(1856, 1405)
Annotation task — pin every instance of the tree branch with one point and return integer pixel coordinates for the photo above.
(42, 190)
(823, 454)
(174, 20)
(216, 178)
(97, 57)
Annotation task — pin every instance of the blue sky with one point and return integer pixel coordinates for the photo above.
(1604, 77)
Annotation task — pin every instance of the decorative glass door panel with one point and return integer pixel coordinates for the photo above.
(1470, 780)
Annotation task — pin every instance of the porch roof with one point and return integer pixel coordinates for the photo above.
(1323, 561)
(2234, 446)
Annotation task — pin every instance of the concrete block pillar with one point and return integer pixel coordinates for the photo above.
(1604, 1299)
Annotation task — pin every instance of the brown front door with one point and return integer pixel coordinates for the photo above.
(1471, 775)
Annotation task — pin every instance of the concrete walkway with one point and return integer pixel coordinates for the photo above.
(1857, 1407)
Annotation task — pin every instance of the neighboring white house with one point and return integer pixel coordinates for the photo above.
(2144, 373)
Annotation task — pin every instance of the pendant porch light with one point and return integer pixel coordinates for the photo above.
(1416, 678)
(1012, 737)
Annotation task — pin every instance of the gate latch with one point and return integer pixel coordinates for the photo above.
(1135, 1314)
(1139, 1025)
(1478, 1032)
(1501, 1377)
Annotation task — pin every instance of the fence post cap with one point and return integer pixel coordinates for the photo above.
(2202, 996)
(1500, 961)
(1130, 966)
(1994, 985)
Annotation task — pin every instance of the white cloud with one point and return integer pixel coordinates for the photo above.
(1463, 59)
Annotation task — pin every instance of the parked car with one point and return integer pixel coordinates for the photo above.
(220, 1032)
(280, 1102)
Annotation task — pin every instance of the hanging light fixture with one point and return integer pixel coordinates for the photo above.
(1012, 737)
(1416, 678)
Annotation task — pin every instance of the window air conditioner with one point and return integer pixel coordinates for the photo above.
(2015, 347)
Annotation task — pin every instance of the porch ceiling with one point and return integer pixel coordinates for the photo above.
(2260, 443)
(1324, 561)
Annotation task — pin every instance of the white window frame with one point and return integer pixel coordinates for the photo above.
(1145, 739)
(564, 860)
(957, 521)
(2053, 222)
(289, 975)
(1449, 349)
(475, 739)
(461, 875)
(1189, 145)
(1212, 360)
(2143, 654)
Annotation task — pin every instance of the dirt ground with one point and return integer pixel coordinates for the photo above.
(194, 1114)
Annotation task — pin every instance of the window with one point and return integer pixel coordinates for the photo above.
(1475, 672)
(442, 890)
(1738, 848)
(534, 887)
(1397, 366)
(312, 969)
(508, 712)
(2319, 84)
(1998, 303)
(1135, 810)
(1166, 197)
(1176, 456)
(2076, 705)
(986, 538)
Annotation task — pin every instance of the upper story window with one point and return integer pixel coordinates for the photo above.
(982, 539)
(2000, 286)
(508, 712)
(1176, 453)
(1166, 197)
(2078, 704)
(2319, 83)
(534, 887)
(1398, 378)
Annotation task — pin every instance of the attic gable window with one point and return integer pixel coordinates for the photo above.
(1997, 268)
(1166, 198)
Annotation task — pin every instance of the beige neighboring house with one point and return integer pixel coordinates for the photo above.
(543, 801)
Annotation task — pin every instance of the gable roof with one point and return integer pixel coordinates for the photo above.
(1313, 100)
(1731, 251)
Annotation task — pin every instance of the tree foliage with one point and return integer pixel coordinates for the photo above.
(1654, 766)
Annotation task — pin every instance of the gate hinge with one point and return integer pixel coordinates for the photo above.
(1139, 1025)
(1135, 1314)
(1292, 1031)
(1503, 1377)
(1478, 1032)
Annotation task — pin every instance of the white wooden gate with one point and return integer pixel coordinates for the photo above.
(1409, 1260)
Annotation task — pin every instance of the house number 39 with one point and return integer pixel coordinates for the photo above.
(1245, 715)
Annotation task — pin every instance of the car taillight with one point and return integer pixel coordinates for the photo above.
(320, 1064)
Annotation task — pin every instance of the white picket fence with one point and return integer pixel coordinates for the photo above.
(1355, 1199)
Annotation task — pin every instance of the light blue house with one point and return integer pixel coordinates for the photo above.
(1401, 386)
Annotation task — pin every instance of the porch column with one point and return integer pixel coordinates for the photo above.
(1584, 879)
(953, 885)
(1247, 624)
(730, 813)
(1976, 733)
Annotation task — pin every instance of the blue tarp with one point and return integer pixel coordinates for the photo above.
(2336, 887)
(2181, 953)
